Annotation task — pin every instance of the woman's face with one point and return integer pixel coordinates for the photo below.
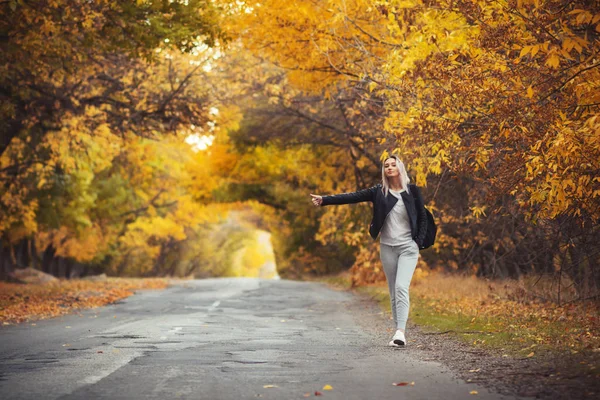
(391, 168)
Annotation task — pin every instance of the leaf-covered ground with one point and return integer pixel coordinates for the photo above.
(486, 333)
(19, 303)
(497, 314)
(505, 314)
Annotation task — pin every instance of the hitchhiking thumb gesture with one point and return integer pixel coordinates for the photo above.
(317, 200)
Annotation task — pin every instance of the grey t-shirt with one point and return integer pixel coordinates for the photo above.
(396, 227)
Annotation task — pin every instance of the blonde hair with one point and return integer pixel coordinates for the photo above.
(404, 179)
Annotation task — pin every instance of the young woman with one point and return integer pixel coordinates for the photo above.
(399, 216)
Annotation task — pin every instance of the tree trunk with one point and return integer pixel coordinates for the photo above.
(47, 259)
(33, 255)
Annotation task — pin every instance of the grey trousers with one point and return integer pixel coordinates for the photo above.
(399, 263)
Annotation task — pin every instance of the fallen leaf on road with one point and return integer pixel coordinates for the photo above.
(530, 354)
(400, 383)
(318, 393)
(306, 395)
(473, 392)
(327, 387)
(269, 386)
(99, 351)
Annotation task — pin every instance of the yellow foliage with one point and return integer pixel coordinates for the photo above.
(452, 77)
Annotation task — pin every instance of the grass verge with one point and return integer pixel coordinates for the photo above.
(490, 315)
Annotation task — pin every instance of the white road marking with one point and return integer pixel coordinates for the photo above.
(90, 380)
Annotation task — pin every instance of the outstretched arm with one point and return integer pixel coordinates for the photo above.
(345, 198)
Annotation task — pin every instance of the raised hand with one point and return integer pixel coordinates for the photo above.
(317, 200)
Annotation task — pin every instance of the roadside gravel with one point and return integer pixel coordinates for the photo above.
(556, 377)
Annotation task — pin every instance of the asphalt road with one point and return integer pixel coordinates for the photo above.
(220, 339)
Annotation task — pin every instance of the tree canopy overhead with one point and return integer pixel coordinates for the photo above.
(493, 105)
(503, 93)
(97, 101)
(507, 90)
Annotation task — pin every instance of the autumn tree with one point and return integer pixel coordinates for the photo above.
(290, 143)
(86, 86)
(502, 93)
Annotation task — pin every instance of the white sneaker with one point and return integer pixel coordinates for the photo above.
(399, 338)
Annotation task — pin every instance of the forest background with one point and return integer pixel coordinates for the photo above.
(163, 138)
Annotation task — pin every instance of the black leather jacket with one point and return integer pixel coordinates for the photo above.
(382, 205)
